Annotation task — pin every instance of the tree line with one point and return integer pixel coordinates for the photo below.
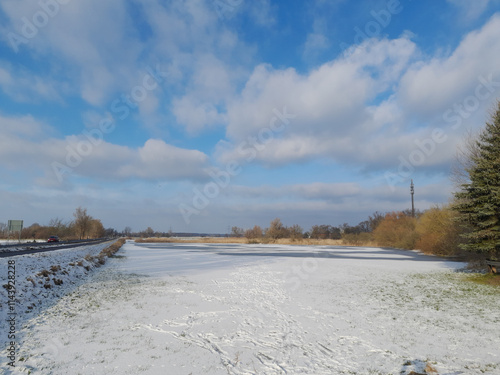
(433, 231)
(83, 226)
(277, 230)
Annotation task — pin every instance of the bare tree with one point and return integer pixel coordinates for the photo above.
(255, 232)
(296, 232)
(237, 232)
(96, 229)
(149, 232)
(59, 228)
(82, 222)
(276, 230)
(56, 223)
(3, 230)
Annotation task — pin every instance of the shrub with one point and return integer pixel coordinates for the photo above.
(277, 230)
(325, 232)
(295, 232)
(438, 232)
(396, 230)
(358, 239)
(255, 232)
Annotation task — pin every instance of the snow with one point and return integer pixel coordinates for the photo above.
(31, 294)
(260, 309)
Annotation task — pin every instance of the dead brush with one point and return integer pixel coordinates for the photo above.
(105, 253)
(44, 273)
(55, 269)
(112, 249)
(429, 369)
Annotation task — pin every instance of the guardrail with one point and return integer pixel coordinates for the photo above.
(35, 244)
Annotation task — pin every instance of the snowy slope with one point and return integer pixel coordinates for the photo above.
(34, 277)
(252, 309)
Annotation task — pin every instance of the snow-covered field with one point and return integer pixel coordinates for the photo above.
(255, 309)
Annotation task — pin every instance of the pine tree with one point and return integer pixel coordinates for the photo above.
(478, 202)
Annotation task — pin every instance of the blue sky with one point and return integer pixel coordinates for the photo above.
(197, 115)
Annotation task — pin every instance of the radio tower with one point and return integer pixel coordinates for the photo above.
(412, 190)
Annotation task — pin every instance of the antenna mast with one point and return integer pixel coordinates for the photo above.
(412, 190)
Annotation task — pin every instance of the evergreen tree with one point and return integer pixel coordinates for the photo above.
(478, 202)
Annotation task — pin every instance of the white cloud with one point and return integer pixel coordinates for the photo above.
(158, 160)
(103, 53)
(95, 47)
(428, 88)
(357, 110)
(262, 12)
(195, 115)
(471, 9)
(24, 126)
(330, 105)
(27, 145)
(325, 100)
(24, 86)
(315, 44)
(210, 86)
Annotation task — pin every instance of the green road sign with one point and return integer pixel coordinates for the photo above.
(15, 225)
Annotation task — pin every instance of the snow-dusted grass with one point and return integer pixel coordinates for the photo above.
(37, 276)
(255, 309)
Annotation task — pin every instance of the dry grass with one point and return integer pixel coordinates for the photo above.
(486, 279)
(112, 249)
(307, 241)
(243, 240)
(192, 240)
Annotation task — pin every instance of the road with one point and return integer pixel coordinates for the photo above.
(32, 248)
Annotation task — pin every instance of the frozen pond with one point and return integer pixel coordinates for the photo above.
(258, 309)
